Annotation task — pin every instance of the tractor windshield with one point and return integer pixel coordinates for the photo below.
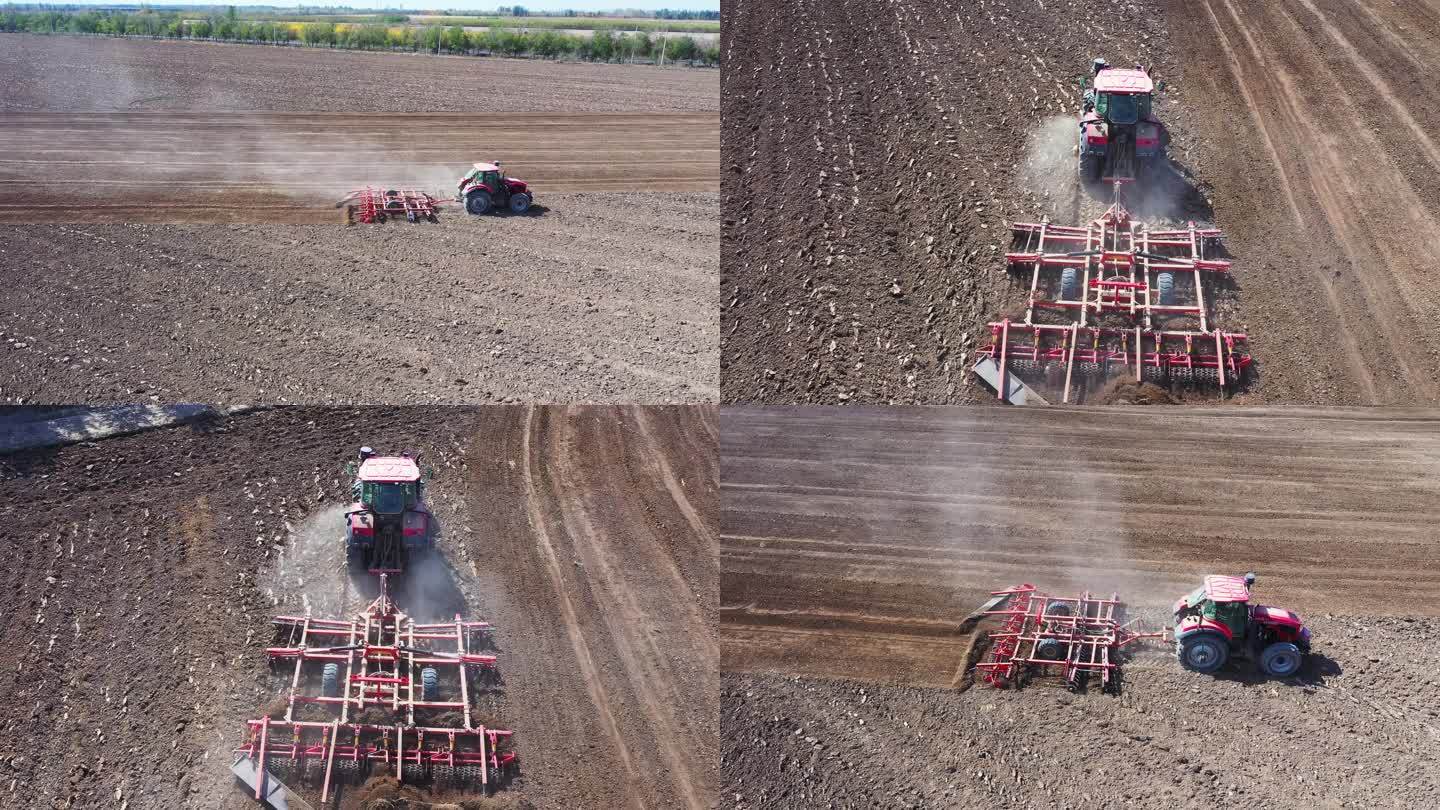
(1120, 109)
(388, 498)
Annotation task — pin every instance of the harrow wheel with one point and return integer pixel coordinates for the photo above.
(330, 680)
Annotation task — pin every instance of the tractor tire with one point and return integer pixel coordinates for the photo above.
(330, 681)
(1203, 652)
(429, 684)
(519, 203)
(479, 203)
(1281, 660)
(1091, 167)
(1165, 287)
(1070, 284)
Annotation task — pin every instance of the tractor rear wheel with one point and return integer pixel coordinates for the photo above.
(1281, 659)
(1070, 283)
(1091, 166)
(1204, 652)
(429, 684)
(519, 203)
(478, 202)
(330, 681)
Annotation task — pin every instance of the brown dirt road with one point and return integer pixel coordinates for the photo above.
(293, 167)
(66, 74)
(586, 535)
(872, 165)
(854, 540)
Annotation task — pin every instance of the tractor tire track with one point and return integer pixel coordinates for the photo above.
(1366, 233)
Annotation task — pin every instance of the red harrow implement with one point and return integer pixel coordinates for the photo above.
(377, 688)
(373, 205)
(1116, 294)
(1076, 636)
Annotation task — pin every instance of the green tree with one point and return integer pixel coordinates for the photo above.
(455, 41)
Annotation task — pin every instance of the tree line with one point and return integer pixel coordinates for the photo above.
(602, 46)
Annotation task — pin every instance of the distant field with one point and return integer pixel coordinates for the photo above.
(568, 23)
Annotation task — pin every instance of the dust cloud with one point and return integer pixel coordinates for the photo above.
(309, 572)
(1048, 168)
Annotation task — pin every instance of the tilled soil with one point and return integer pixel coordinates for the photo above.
(597, 298)
(64, 73)
(870, 171)
(854, 541)
(1354, 729)
(1327, 146)
(293, 167)
(145, 574)
(872, 160)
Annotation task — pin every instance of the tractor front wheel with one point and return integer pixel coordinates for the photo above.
(519, 203)
(1281, 659)
(478, 202)
(1205, 652)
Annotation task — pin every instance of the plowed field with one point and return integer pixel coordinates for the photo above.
(293, 167)
(144, 570)
(854, 541)
(875, 154)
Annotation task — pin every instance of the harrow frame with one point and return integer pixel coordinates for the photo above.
(380, 654)
(371, 205)
(1085, 630)
(1118, 310)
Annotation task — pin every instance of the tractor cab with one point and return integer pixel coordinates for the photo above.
(1120, 138)
(389, 486)
(1121, 95)
(1217, 620)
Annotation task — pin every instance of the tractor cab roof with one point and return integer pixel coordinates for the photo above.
(389, 469)
(487, 167)
(1124, 81)
(1226, 589)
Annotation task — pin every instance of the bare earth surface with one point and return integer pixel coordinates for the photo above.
(872, 161)
(855, 540)
(69, 74)
(294, 167)
(197, 255)
(586, 535)
(598, 298)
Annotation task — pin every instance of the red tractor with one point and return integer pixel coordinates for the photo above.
(1120, 138)
(389, 521)
(485, 188)
(1217, 621)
